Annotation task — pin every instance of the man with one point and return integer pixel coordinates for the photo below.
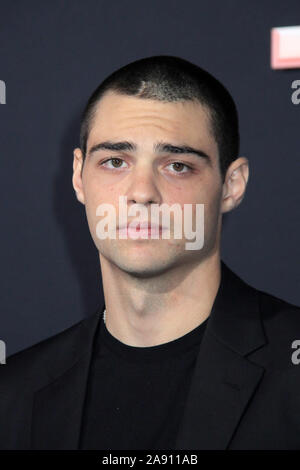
(183, 354)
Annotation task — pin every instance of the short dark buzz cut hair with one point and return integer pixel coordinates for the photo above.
(170, 78)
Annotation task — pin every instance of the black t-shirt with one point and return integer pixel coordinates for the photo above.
(136, 395)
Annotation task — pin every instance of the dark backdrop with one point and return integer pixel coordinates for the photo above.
(52, 56)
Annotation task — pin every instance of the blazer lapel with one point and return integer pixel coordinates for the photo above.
(224, 380)
(58, 405)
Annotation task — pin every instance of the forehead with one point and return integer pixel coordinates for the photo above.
(122, 116)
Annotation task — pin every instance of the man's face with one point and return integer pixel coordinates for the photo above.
(147, 177)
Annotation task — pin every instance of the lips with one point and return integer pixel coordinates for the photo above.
(141, 226)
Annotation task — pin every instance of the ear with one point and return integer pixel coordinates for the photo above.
(235, 183)
(77, 175)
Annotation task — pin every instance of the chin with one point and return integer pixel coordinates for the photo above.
(143, 268)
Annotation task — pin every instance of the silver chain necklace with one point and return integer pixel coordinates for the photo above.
(104, 315)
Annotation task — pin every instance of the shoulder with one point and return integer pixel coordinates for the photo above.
(277, 311)
(280, 321)
(62, 349)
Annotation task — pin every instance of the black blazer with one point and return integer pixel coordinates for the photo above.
(245, 392)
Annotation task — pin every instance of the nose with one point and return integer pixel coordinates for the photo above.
(143, 189)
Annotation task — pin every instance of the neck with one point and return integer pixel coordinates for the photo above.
(152, 311)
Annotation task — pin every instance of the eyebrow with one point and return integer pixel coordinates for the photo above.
(159, 147)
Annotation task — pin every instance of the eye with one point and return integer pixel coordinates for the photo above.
(179, 165)
(117, 162)
(113, 160)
